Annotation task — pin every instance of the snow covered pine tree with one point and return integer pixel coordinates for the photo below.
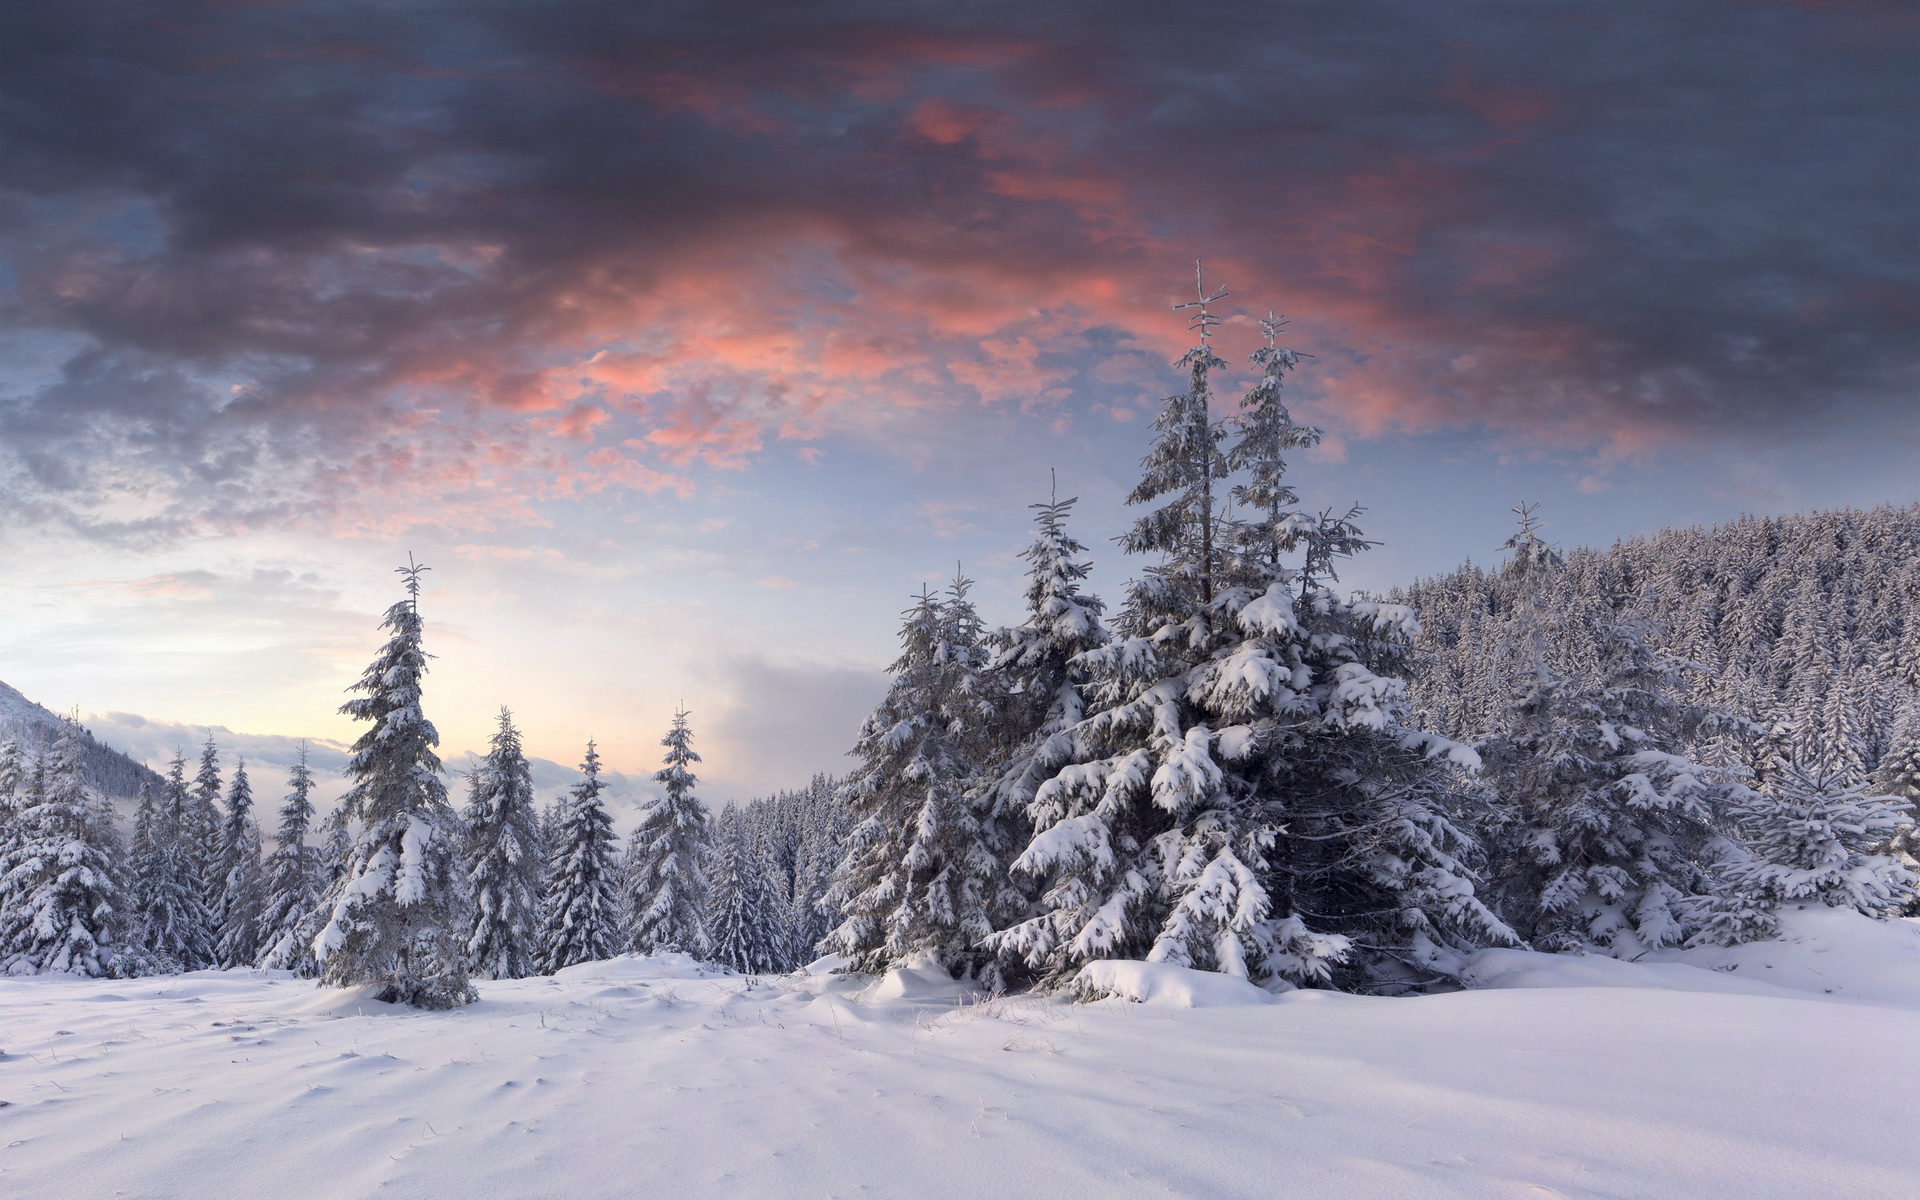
(1040, 681)
(240, 869)
(292, 886)
(583, 888)
(201, 838)
(505, 861)
(172, 916)
(400, 914)
(61, 895)
(666, 868)
(1243, 796)
(1812, 840)
(919, 880)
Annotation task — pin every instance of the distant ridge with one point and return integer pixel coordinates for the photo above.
(107, 769)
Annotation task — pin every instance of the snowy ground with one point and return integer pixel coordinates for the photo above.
(651, 1077)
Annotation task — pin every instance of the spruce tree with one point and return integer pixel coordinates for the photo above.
(241, 876)
(12, 771)
(583, 888)
(665, 873)
(169, 906)
(61, 895)
(292, 886)
(201, 837)
(1243, 795)
(400, 914)
(1039, 679)
(1810, 839)
(1898, 777)
(920, 876)
(505, 861)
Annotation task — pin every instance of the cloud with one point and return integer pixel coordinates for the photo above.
(782, 721)
(453, 266)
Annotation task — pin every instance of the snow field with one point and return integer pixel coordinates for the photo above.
(660, 1077)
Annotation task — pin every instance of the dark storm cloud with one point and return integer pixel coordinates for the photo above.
(280, 252)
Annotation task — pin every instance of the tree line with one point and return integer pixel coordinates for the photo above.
(1229, 774)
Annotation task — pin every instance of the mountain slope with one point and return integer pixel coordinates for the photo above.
(107, 769)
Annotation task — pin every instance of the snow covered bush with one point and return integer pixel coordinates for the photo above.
(1808, 839)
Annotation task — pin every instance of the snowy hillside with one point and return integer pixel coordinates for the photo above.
(107, 769)
(1559, 1077)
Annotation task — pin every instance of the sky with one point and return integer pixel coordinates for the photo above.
(684, 342)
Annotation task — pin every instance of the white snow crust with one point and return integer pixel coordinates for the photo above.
(1722, 1075)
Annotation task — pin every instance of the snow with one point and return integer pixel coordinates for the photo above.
(1167, 986)
(1558, 1076)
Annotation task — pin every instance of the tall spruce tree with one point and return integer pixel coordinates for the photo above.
(169, 905)
(506, 862)
(62, 906)
(920, 877)
(1267, 434)
(292, 886)
(241, 890)
(583, 888)
(666, 868)
(1039, 680)
(1243, 795)
(400, 914)
(201, 835)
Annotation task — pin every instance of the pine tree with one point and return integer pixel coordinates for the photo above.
(1268, 433)
(1810, 839)
(61, 895)
(583, 891)
(920, 876)
(505, 861)
(170, 910)
(201, 837)
(12, 771)
(293, 886)
(744, 921)
(400, 914)
(1038, 678)
(1528, 553)
(1243, 796)
(241, 893)
(665, 873)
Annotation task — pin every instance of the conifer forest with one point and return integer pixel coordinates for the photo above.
(947, 601)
